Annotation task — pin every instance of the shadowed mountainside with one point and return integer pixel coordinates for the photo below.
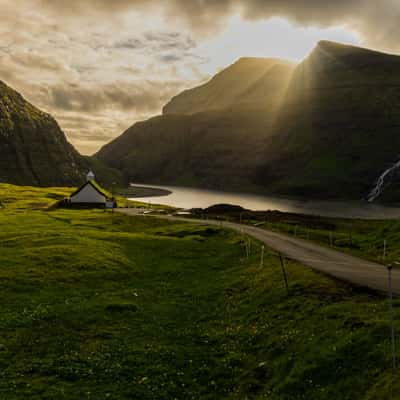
(212, 136)
(327, 128)
(339, 128)
(34, 150)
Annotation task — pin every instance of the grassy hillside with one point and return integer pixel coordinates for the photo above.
(326, 129)
(102, 306)
(363, 238)
(33, 149)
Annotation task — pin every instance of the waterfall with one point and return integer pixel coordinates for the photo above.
(377, 190)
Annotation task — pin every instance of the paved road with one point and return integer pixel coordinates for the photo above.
(331, 262)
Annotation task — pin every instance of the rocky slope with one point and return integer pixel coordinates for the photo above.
(327, 128)
(34, 150)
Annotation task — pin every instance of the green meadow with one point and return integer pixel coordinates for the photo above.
(97, 305)
(375, 240)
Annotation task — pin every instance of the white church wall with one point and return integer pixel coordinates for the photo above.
(88, 195)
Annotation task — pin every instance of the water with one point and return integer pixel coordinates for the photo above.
(377, 190)
(186, 198)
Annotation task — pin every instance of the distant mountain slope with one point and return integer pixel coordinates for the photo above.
(340, 125)
(213, 136)
(267, 91)
(238, 84)
(334, 65)
(33, 149)
(327, 129)
(205, 149)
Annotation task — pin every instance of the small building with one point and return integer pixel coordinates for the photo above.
(91, 194)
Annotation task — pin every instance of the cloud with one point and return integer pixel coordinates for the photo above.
(36, 61)
(138, 98)
(130, 43)
(92, 6)
(377, 21)
(92, 115)
(96, 75)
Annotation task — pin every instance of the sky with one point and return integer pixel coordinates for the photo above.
(99, 66)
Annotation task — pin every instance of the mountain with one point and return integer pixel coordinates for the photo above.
(204, 149)
(241, 83)
(221, 134)
(339, 128)
(326, 128)
(34, 150)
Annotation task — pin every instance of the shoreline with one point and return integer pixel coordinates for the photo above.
(137, 191)
(194, 198)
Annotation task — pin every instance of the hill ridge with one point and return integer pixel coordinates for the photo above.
(35, 151)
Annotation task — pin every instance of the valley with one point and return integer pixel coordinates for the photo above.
(111, 306)
(199, 200)
(326, 128)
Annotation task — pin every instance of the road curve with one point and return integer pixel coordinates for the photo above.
(332, 262)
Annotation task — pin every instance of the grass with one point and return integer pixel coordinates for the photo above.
(362, 238)
(98, 305)
(28, 198)
(365, 239)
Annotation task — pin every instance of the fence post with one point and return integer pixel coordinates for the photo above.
(384, 251)
(262, 256)
(389, 268)
(284, 273)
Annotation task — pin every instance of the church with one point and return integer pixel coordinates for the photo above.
(91, 194)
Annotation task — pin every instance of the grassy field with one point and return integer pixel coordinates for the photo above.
(363, 238)
(99, 305)
(377, 241)
(29, 198)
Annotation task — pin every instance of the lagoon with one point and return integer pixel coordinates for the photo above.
(187, 198)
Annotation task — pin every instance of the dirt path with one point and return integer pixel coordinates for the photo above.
(332, 262)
